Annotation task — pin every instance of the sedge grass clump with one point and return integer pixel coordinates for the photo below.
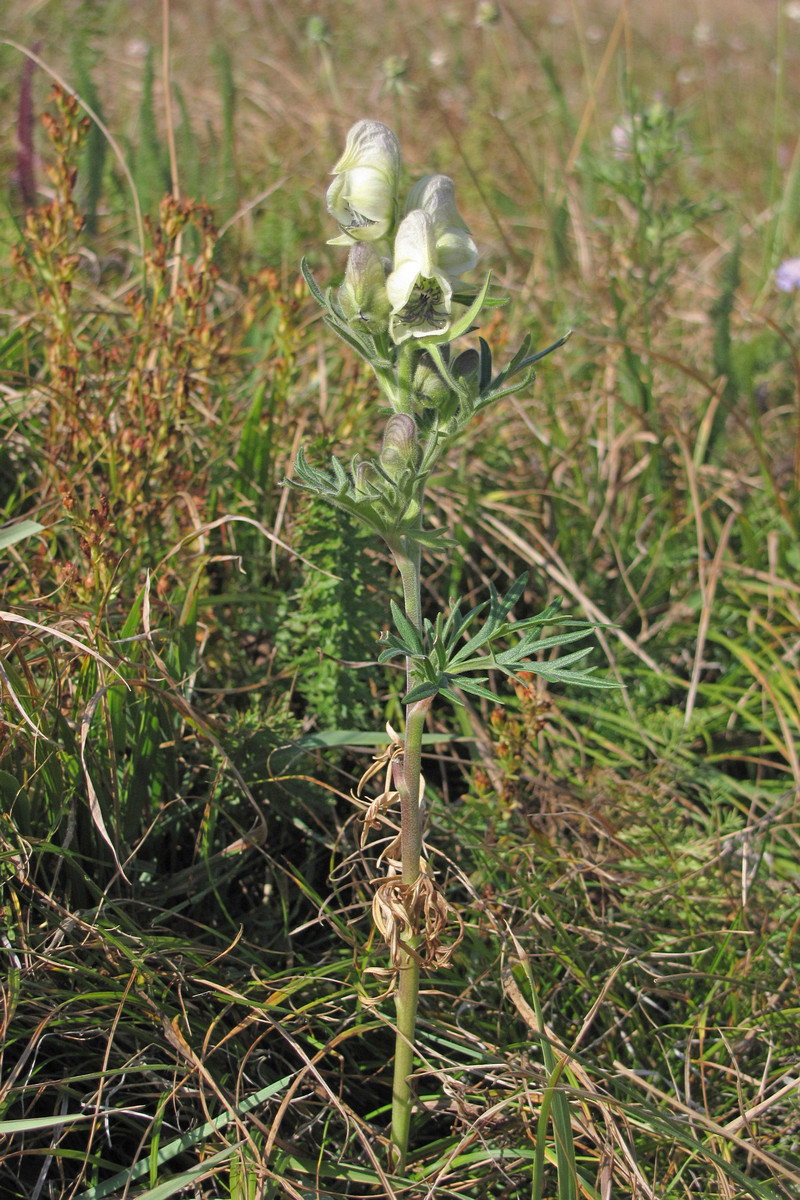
(402, 306)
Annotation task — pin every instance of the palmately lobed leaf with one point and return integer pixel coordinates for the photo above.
(440, 667)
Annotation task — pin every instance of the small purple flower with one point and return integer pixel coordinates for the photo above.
(787, 276)
(622, 138)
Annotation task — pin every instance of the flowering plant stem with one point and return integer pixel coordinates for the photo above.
(402, 1095)
(407, 781)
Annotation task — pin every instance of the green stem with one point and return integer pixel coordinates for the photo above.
(408, 564)
(402, 1095)
(408, 783)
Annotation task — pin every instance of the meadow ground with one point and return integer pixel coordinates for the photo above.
(194, 995)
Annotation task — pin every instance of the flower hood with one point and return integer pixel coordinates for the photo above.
(419, 290)
(363, 195)
(456, 252)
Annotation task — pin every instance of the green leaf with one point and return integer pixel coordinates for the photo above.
(339, 475)
(407, 631)
(181, 1144)
(18, 532)
(421, 692)
(313, 286)
(440, 670)
(498, 611)
(456, 623)
(532, 644)
(31, 1124)
(581, 678)
(10, 343)
(430, 539)
(172, 1187)
(361, 348)
(464, 323)
(485, 372)
(496, 394)
(534, 358)
(520, 365)
(511, 367)
(397, 648)
(475, 688)
(522, 360)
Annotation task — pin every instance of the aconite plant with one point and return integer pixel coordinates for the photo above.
(402, 307)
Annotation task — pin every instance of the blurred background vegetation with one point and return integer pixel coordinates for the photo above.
(187, 661)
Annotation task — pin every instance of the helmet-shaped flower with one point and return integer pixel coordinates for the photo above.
(456, 252)
(363, 195)
(419, 291)
(432, 249)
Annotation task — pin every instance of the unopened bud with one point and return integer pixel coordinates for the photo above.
(399, 444)
(429, 387)
(466, 368)
(487, 13)
(362, 296)
(361, 476)
(317, 31)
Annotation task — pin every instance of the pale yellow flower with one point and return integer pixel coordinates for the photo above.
(363, 195)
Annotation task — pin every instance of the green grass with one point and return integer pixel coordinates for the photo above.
(192, 995)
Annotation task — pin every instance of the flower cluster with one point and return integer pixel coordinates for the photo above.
(401, 307)
(400, 277)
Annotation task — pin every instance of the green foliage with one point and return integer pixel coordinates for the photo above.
(330, 622)
(721, 314)
(227, 190)
(151, 160)
(96, 144)
(440, 663)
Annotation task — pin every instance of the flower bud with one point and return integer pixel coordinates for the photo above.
(363, 195)
(318, 31)
(466, 368)
(362, 296)
(429, 387)
(486, 13)
(399, 445)
(361, 476)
